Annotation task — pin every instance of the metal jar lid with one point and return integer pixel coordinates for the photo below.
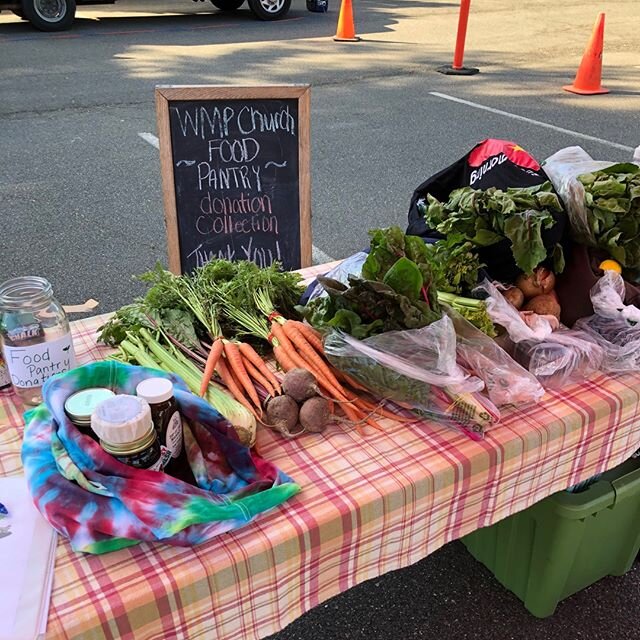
(80, 405)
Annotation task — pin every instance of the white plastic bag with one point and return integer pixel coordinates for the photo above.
(507, 316)
(349, 266)
(607, 298)
(614, 326)
(506, 382)
(427, 355)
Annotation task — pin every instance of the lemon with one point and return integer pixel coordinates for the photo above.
(610, 265)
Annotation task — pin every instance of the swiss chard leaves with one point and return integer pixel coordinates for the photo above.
(612, 202)
(486, 217)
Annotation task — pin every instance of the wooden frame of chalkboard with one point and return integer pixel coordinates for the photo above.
(235, 173)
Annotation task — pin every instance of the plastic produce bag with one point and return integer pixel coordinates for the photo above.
(555, 357)
(563, 168)
(603, 201)
(507, 316)
(565, 357)
(417, 369)
(349, 266)
(506, 382)
(607, 298)
(614, 326)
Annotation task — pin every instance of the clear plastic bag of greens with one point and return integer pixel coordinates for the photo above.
(417, 369)
(614, 325)
(599, 197)
(506, 382)
(563, 169)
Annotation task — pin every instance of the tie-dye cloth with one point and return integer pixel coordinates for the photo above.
(101, 504)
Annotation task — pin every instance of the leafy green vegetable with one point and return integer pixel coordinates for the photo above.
(479, 318)
(405, 278)
(373, 301)
(188, 307)
(612, 201)
(454, 263)
(326, 313)
(383, 381)
(524, 229)
(487, 217)
(394, 292)
(130, 318)
(236, 282)
(178, 323)
(387, 246)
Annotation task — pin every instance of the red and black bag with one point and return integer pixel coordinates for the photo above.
(491, 163)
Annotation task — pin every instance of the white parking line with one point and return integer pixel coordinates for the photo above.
(150, 138)
(318, 256)
(546, 125)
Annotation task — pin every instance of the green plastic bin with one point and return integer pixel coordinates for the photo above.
(566, 542)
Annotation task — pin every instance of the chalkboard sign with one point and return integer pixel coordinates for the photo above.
(235, 174)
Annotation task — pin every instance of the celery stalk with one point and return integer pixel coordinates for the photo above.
(240, 417)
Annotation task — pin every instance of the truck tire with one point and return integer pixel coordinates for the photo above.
(269, 9)
(227, 5)
(49, 15)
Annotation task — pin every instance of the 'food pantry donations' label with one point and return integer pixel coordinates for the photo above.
(30, 366)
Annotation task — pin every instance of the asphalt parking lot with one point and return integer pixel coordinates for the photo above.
(81, 204)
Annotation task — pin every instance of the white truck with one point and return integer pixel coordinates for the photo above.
(58, 15)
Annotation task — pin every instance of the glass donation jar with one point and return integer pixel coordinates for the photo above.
(35, 335)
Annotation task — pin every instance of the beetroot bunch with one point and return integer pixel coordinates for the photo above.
(300, 408)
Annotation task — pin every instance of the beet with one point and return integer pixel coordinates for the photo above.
(300, 384)
(314, 414)
(282, 414)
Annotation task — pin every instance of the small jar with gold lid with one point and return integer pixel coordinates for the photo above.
(125, 428)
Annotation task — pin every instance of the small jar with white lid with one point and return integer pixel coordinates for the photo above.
(123, 424)
(158, 392)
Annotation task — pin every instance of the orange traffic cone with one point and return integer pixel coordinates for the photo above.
(589, 74)
(346, 31)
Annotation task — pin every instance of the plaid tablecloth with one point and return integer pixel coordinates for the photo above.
(367, 506)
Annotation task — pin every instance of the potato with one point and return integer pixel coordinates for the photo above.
(540, 281)
(543, 305)
(514, 296)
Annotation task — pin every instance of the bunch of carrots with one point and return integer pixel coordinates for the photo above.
(298, 345)
(239, 367)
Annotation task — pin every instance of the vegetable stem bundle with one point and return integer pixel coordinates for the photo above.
(143, 349)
